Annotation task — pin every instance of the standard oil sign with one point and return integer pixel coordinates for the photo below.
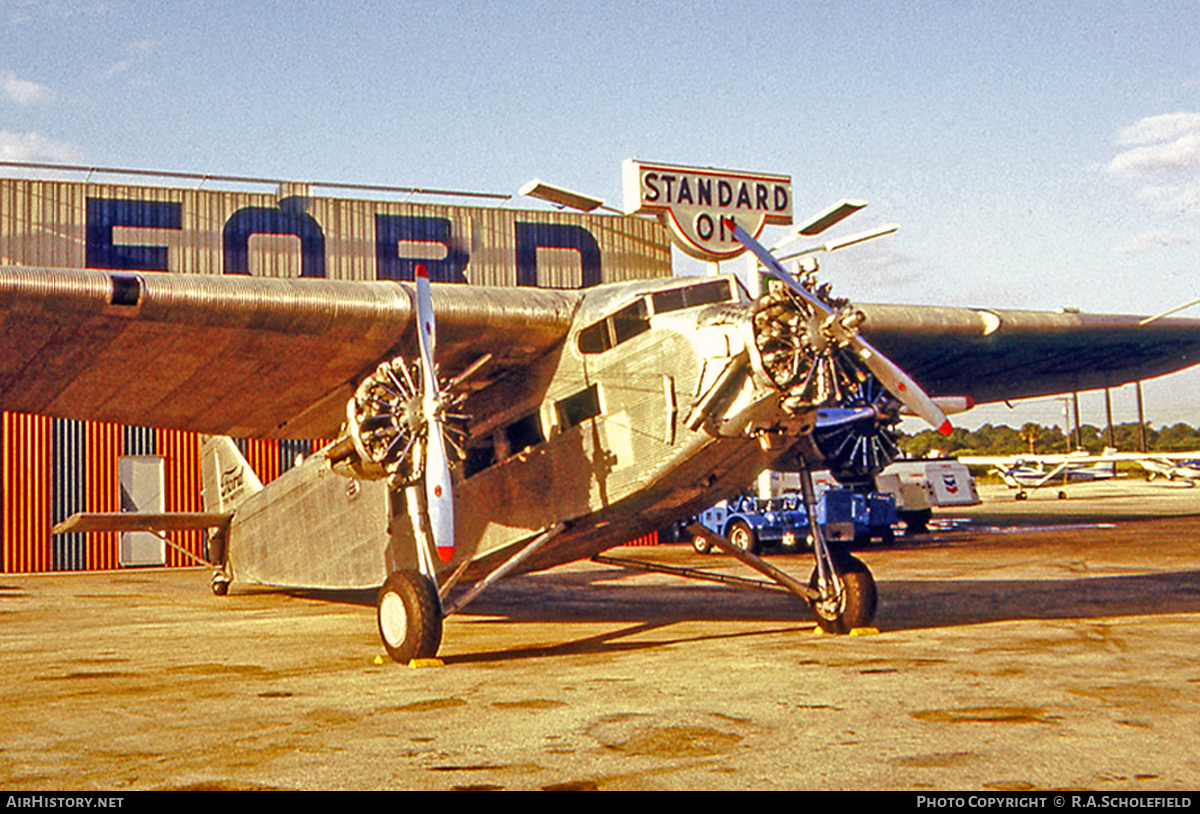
(693, 202)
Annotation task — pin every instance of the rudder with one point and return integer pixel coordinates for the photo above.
(226, 476)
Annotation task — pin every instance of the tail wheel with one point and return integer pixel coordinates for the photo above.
(220, 584)
(854, 605)
(701, 544)
(410, 616)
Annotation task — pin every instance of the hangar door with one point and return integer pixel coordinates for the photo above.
(143, 486)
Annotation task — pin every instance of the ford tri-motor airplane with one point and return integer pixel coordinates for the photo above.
(486, 431)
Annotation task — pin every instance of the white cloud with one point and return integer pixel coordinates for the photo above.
(1153, 241)
(23, 91)
(1177, 199)
(1162, 145)
(1167, 127)
(33, 147)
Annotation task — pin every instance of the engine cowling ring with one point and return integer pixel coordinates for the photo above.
(386, 422)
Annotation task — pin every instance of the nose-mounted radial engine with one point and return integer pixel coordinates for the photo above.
(806, 353)
(808, 343)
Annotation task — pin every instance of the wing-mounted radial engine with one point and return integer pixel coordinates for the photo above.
(402, 424)
(387, 427)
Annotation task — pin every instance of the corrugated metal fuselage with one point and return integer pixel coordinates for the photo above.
(608, 443)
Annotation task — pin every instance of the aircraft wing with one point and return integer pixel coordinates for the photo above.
(273, 357)
(240, 355)
(1072, 459)
(996, 355)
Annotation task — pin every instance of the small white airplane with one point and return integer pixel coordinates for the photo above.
(1026, 473)
(1173, 466)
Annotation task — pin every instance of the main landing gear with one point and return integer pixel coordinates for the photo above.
(849, 600)
(410, 616)
(841, 590)
(409, 607)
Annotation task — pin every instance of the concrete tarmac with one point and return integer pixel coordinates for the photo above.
(1030, 645)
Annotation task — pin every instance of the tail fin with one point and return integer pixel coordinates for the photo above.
(1108, 466)
(225, 474)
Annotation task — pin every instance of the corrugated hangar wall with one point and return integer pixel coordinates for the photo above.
(53, 467)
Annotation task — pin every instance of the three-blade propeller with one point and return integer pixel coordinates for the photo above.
(439, 493)
(899, 383)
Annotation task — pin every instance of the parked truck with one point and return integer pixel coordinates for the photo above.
(754, 524)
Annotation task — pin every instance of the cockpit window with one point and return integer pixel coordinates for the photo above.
(630, 321)
(690, 296)
(595, 338)
(611, 331)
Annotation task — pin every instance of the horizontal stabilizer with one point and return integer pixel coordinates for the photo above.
(141, 521)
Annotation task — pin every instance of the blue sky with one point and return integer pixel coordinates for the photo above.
(1036, 155)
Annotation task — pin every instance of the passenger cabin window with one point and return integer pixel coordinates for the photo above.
(634, 318)
(480, 456)
(574, 410)
(524, 433)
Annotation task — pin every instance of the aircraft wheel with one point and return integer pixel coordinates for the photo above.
(410, 616)
(1062, 495)
(742, 536)
(219, 584)
(701, 544)
(855, 606)
(1021, 495)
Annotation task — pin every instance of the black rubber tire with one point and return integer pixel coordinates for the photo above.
(742, 536)
(858, 602)
(701, 544)
(409, 615)
(916, 521)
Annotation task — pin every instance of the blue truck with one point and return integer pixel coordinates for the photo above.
(754, 524)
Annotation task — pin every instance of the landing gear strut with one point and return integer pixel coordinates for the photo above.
(841, 592)
(845, 590)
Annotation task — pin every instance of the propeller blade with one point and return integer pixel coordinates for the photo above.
(439, 493)
(899, 383)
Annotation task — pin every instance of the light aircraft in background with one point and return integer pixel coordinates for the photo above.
(487, 431)
(1173, 466)
(1027, 473)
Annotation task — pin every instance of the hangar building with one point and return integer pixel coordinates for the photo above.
(53, 467)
